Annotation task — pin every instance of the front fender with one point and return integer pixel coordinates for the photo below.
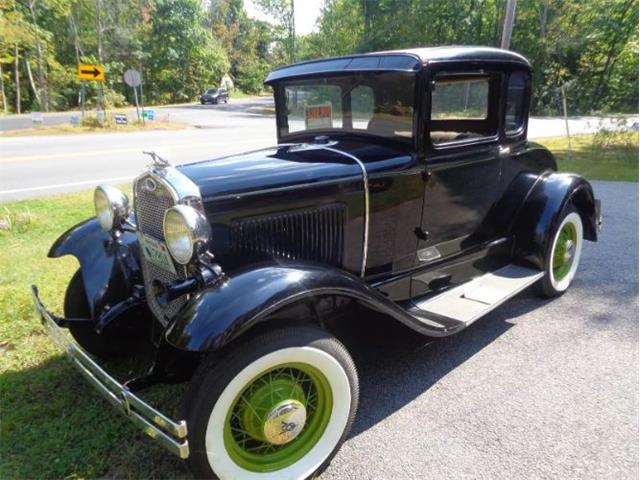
(540, 213)
(108, 266)
(215, 316)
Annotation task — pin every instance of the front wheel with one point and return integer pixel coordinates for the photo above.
(278, 406)
(104, 346)
(563, 255)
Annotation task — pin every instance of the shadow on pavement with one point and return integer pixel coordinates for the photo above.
(396, 364)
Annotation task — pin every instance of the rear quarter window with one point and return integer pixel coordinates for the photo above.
(515, 105)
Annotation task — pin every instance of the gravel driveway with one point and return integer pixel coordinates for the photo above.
(537, 389)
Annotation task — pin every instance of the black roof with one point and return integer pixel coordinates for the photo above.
(396, 60)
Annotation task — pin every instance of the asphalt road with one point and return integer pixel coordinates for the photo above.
(537, 389)
(45, 165)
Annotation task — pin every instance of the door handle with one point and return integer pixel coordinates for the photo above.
(504, 150)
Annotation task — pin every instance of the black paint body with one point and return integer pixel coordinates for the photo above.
(480, 205)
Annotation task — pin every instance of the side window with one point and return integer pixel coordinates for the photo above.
(515, 107)
(461, 108)
(361, 106)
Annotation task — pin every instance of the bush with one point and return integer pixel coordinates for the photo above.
(92, 121)
(617, 136)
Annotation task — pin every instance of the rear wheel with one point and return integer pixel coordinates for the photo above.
(563, 255)
(278, 406)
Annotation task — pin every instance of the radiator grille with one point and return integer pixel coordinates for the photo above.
(150, 206)
(314, 234)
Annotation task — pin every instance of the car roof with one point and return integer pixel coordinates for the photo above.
(406, 60)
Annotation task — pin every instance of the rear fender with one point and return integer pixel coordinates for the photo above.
(215, 316)
(109, 265)
(540, 213)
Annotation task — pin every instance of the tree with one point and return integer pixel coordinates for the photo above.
(184, 57)
(284, 13)
(588, 46)
(246, 42)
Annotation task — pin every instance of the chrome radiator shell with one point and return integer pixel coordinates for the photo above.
(155, 191)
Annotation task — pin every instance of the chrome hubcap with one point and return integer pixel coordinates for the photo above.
(284, 422)
(569, 251)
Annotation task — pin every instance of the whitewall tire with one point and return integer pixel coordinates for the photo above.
(277, 406)
(563, 255)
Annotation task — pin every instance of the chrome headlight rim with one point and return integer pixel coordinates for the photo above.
(196, 230)
(111, 206)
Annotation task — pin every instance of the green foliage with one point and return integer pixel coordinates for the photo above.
(589, 46)
(283, 12)
(246, 41)
(185, 57)
(183, 46)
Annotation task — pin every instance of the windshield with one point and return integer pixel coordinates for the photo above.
(212, 91)
(379, 104)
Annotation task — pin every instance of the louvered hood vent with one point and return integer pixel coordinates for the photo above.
(311, 234)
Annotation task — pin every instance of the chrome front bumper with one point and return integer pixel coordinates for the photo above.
(170, 434)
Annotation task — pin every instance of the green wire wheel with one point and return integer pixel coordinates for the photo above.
(564, 252)
(278, 417)
(278, 405)
(563, 255)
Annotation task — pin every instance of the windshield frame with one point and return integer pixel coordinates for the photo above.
(279, 91)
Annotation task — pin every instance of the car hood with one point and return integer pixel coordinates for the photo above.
(286, 166)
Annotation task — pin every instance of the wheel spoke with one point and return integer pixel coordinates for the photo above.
(252, 408)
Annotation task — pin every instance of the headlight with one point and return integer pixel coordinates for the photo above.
(186, 230)
(112, 206)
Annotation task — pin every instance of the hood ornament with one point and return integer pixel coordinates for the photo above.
(158, 161)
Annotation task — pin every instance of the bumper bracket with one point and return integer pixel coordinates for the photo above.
(170, 434)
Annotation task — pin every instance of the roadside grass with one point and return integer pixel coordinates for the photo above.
(607, 155)
(54, 425)
(93, 127)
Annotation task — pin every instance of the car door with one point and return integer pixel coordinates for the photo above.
(463, 164)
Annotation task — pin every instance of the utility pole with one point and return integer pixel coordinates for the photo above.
(293, 32)
(507, 28)
(100, 102)
(16, 73)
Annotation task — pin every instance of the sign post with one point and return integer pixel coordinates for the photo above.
(566, 122)
(91, 73)
(82, 96)
(134, 79)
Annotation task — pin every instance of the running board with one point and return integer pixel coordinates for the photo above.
(460, 306)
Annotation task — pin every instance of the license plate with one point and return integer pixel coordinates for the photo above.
(156, 252)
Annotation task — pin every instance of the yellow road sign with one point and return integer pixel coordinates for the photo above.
(91, 72)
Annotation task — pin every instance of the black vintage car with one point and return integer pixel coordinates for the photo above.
(215, 96)
(402, 184)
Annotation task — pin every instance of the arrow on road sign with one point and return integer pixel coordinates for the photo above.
(91, 72)
(95, 72)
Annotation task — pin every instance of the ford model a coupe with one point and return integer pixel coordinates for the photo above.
(402, 183)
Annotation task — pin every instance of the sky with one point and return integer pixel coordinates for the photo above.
(306, 11)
